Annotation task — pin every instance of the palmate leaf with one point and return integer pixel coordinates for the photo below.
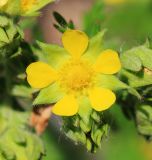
(131, 61)
(136, 58)
(11, 37)
(144, 119)
(17, 141)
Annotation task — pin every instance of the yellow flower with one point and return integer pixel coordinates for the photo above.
(3, 2)
(78, 74)
(114, 2)
(27, 4)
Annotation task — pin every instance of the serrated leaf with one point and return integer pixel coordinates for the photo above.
(137, 79)
(144, 119)
(18, 142)
(6, 152)
(19, 137)
(96, 134)
(85, 109)
(95, 116)
(145, 54)
(130, 61)
(134, 92)
(11, 31)
(49, 95)
(76, 136)
(137, 57)
(3, 36)
(86, 127)
(3, 21)
(88, 144)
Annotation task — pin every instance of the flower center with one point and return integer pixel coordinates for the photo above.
(76, 76)
(27, 4)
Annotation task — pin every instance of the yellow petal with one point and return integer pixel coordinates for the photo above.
(67, 106)
(3, 2)
(40, 75)
(108, 62)
(75, 42)
(101, 98)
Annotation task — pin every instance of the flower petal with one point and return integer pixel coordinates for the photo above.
(3, 2)
(101, 98)
(67, 106)
(108, 62)
(75, 42)
(40, 75)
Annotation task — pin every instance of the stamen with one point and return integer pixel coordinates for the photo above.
(27, 4)
(76, 76)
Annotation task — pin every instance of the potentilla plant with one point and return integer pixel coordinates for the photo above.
(79, 82)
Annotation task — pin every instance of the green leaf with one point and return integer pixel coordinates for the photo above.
(76, 136)
(22, 91)
(144, 119)
(130, 61)
(49, 95)
(85, 109)
(12, 8)
(6, 152)
(134, 92)
(145, 54)
(97, 133)
(59, 28)
(3, 37)
(139, 79)
(3, 21)
(88, 144)
(85, 127)
(11, 31)
(19, 137)
(35, 147)
(137, 57)
(95, 46)
(17, 141)
(60, 19)
(53, 54)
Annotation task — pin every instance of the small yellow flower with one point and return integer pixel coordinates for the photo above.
(27, 4)
(77, 76)
(3, 2)
(114, 2)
